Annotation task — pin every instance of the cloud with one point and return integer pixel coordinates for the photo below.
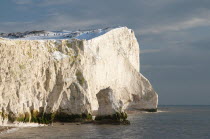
(167, 67)
(181, 25)
(200, 45)
(149, 51)
(54, 2)
(42, 2)
(65, 22)
(7, 27)
(58, 22)
(145, 17)
(23, 2)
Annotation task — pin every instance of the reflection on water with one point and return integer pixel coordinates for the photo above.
(172, 122)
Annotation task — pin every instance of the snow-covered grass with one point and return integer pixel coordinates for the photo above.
(57, 35)
(90, 35)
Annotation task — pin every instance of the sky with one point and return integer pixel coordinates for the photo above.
(174, 36)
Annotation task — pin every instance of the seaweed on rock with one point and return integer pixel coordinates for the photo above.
(117, 118)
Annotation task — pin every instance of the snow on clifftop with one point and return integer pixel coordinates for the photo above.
(49, 35)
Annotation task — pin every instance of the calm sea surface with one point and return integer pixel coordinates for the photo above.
(172, 122)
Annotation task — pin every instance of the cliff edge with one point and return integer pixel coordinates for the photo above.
(68, 75)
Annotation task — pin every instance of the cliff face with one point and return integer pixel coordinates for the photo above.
(69, 76)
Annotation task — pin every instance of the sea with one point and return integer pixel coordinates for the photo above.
(170, 122)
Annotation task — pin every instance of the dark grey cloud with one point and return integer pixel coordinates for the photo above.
(173, 36)
(201, 45)
(143, 16)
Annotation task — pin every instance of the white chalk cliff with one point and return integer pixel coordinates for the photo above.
(69, 74)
